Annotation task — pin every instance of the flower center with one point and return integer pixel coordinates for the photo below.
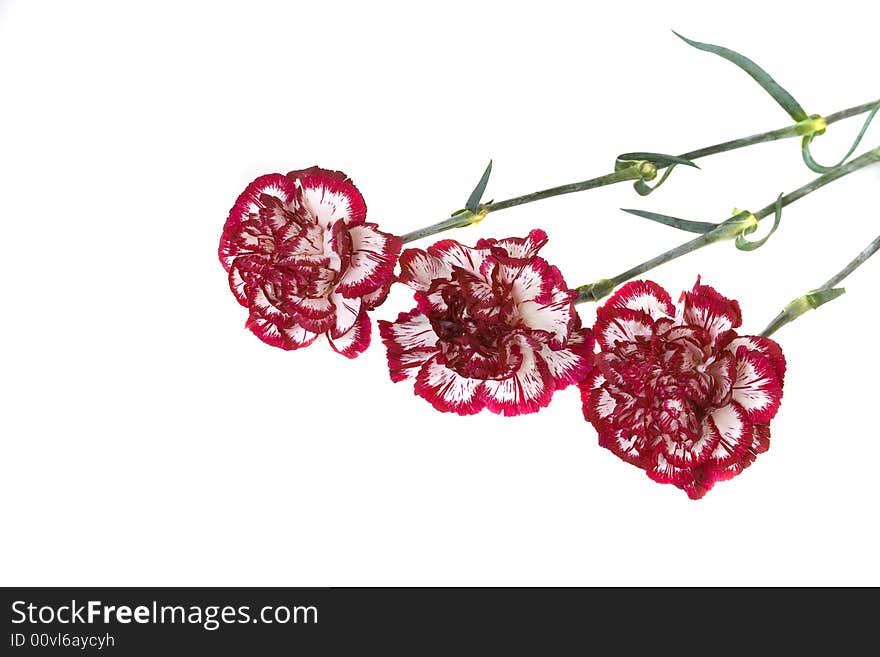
(669, 387)
(476, 343)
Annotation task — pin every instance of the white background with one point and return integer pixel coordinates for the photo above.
(148, 438)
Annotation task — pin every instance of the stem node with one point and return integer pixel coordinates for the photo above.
(594, 291)
(813, 125)
(741, 223)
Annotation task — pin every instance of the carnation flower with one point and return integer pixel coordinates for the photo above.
(494, 327)
(677, 392)
(302, 259)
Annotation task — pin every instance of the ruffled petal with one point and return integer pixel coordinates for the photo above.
(278, 330)
(735, 434)
(373, 256)
(760, 444)
(529, 389)
(314, 313)
(757, 387)
(621, 325)
(760, 438)
(238, 283)
(704, 307)
(516, 247)
(418, 269)
(306, 247)
(329, 196)
(526, 280)
(375, 299)
(240, 233)
(446, 390)
(600, 407)
(311, 308)
(478, 294)
(701, 482)
(723, 375)
(352, 343)
(554, 317)
(337, 245)
(663, 472)
(454, 254)
(684, 452)
(766, 347)
(265, 303)
(598, 404)
(315, 325)
(573, 362)
(645, 296)
(409, 341)
(345, 313)
(626, 445)
(433, 300)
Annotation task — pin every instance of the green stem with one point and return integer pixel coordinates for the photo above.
(728, 229)
(458, 220)
(857, 262)
(462, 218)
(820, 295)
(465, 218)
(630, 173)
(774, 135)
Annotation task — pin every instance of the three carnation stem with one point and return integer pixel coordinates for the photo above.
(735, 227)
(633, 173)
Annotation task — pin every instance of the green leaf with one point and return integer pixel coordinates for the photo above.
(745, 245)
(660, 159)
(701, 227)
(819, 168)
(473, 202)
(771, 86)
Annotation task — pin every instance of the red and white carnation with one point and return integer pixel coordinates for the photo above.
(303, 260)
(494, 327)
(676, 392)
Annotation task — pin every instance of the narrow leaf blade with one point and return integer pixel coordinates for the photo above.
(660, 159)
(701, 227)
(771, 86)
(473, 202)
